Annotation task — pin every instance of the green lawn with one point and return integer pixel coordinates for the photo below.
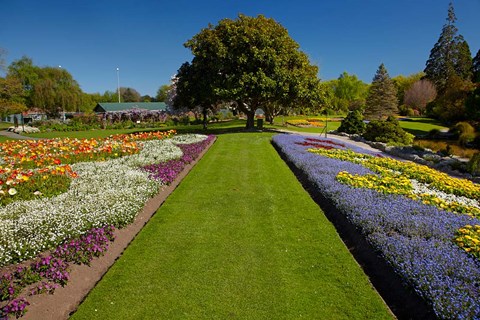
(238, 239)
(420, 126)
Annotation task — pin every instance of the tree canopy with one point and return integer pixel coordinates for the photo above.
(349, 92)
(11, 96)
(252, 61)
(51, 89)
(449, 57)
(162, 93)
(476, 67)
(382, 96)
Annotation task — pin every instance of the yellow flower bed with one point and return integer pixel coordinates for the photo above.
(394, 178)
(299, 122)
(468, 238)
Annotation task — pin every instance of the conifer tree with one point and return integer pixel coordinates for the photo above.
(450, 56)
(382, 96)
(476, 68)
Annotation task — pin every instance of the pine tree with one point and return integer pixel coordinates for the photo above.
(476, 68)
(382, 96)
(449, 56)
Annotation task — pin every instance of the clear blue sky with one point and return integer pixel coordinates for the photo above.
(91, 38)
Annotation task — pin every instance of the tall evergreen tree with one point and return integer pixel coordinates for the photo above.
(449, 56)
(382, 96)
(476, 68)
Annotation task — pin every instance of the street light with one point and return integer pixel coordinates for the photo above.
(63, 106)
(118, 84)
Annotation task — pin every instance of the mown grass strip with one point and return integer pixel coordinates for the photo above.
(238, 239)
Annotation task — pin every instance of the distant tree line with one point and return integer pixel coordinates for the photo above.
(53, 90)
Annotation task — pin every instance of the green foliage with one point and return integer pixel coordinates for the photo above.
(162, 93)
(130, 95)
(48, 185)
(405, 110)
(349, 92)
(476, 68)
(473, 165)
(465, 133)
(462, 128)
(12, 96)
(472, 105)
(252, 61)
(450, 106)
(353, 123)
(388, 131)
(449, 57)
(382, 96)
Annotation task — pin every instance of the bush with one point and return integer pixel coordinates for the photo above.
(388, 131)
(353, 123)
(464, 132)
(473, 166)
(405, 110)
(462, 128)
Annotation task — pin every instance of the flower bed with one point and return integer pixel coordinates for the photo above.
(109, 192)
(425, 244)
(103, 192)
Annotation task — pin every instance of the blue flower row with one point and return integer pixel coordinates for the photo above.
(416, 239)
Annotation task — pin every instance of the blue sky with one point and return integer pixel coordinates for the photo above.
(144, 39)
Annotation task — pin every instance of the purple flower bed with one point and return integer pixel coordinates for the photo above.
(414, 238)
(167, 171)
(52, 268)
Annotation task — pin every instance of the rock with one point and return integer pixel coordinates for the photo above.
(23, 129)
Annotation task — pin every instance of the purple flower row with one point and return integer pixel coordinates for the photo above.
(53, 268)
(166, 172)
(416, 239)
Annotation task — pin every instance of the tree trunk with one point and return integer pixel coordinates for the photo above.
(205, 121)
(250, 120)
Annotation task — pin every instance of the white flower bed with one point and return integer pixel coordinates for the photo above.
(421, 188)
(104, 193)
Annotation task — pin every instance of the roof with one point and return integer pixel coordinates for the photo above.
(106, 107)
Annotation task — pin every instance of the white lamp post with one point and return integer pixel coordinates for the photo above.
(118, 84)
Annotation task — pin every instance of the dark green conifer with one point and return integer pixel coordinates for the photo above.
(382, 96)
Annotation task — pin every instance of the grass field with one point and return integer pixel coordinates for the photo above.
(238, 239)
(420, 126)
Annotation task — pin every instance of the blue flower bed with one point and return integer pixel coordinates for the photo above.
(414, 238)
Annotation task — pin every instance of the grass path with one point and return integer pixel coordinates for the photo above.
(238, 239)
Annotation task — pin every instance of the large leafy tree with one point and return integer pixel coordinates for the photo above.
(449, 57)
(28, 74)
(56, 91)
(254, 62)
(382, 96)
(130, 95)
(162, 93)
(11, 96)
(349, 92)
(194, 88)
(49, 88)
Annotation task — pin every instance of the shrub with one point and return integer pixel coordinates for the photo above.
(405, 110)
(388, 131)
(465, 133)
(473, 166)
(353, 123)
